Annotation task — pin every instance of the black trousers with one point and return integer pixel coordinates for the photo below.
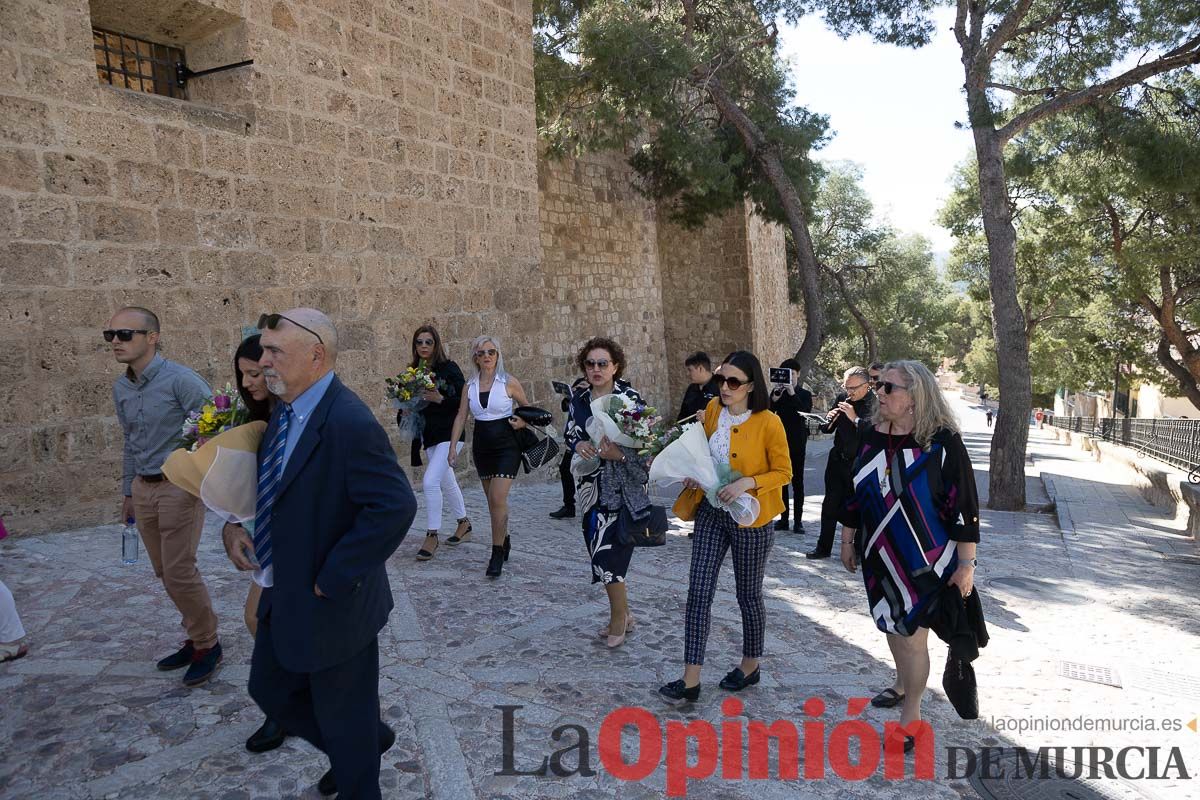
(567, 479)
(336, 710)
(839, 486)
(797, 448)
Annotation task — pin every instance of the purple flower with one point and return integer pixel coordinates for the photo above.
(221, 402)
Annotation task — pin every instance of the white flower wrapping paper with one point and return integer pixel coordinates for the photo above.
(689, 457)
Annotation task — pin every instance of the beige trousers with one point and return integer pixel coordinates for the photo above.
(170, 521)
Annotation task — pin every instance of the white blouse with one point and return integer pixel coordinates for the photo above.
(718, 444)
(500, 405)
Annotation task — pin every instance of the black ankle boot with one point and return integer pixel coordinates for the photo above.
(507, 547)
(496, 562)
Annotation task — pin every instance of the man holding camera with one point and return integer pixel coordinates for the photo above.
(856, 404)
(790, 401)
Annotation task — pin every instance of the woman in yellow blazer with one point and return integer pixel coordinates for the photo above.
(743, 433)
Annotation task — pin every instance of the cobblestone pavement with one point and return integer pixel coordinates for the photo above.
(86, 715)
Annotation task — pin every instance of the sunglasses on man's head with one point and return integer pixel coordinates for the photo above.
(124, 334)
(596, 363)
(889, 387)
(271, 322)
(489, 352)
(733, 383)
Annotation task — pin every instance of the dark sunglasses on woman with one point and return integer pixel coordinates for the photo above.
(124, 334)
(888, 387)
(733, 383)
(489, 352)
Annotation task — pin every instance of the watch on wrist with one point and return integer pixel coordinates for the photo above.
(973, 562)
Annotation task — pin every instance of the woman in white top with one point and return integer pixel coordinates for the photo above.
(491, 396)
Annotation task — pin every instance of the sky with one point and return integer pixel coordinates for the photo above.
(892, 111)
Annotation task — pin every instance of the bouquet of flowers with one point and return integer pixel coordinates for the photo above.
(645, 425)
(688, 456)
(405, 391)
(223, 412)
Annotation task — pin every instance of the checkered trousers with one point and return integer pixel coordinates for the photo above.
(715, 532)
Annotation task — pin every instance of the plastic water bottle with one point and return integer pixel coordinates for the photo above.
(129, 543)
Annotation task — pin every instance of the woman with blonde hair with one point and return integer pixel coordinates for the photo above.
(912, 523)
(491, 396)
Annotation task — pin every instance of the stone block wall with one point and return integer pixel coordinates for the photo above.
(601, 261)
(377, 161)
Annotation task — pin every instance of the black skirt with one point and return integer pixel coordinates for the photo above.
(495, 448)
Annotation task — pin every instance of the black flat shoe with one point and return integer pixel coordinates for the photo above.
(563, 513)
(179, 659)
(781, 525)
(269, 736)
(496, 562)
(888, 698)
(677, 692)
(736, 680)
(328, 786)
(817, 554)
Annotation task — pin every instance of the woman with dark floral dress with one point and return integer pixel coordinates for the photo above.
(610, 477)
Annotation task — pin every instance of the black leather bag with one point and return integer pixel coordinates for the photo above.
(536, 451)
(648, 530)
(532, 415)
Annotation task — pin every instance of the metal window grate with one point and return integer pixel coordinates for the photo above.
(137, 64)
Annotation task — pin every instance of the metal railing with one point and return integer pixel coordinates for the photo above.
(1172, 441)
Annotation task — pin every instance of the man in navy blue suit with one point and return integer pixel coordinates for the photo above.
(333, 505)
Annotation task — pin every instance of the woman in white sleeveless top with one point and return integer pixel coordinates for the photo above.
(491, 396)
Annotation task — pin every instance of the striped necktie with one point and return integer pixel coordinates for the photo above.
(269, 473)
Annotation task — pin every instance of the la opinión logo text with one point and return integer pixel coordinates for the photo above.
(730, 748)
(736, 749)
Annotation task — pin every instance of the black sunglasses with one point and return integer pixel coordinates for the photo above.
(124, 334)
(733, 383)
(597, 363)
(888, 386)
(271, 322)
(424, 342)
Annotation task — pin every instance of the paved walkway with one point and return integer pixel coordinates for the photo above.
(85, 715)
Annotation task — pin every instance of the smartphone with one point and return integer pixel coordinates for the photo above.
(781, 376)
(561, 388)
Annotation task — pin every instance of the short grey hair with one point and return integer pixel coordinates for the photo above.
(319, 323)
(856, 372)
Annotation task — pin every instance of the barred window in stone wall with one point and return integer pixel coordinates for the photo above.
(131, 63)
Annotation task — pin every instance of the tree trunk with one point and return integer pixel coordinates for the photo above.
(1183, 376)
(767, 157)
(871, 348)
(1006, 476)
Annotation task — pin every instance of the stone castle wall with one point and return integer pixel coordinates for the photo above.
(378, 161)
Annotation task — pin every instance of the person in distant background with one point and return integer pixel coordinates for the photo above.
(702, 387)
(789, 402)
(567, 511)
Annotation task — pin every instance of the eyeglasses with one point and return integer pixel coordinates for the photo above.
(598, 363)
(733, 383)
(855, 387)
(889, 387)
(271, 322)
(425, 342)
(124, 334)
(489, 352)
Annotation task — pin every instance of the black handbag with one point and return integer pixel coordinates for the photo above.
(532, 415)
(535, 451)
(648, 530)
